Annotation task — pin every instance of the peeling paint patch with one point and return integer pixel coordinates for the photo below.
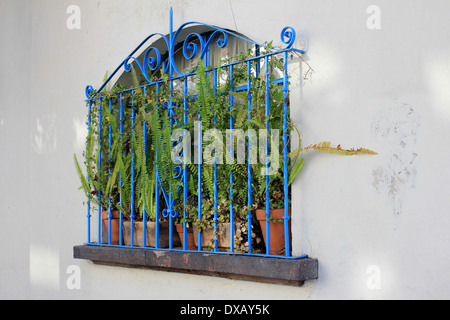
(397, 126)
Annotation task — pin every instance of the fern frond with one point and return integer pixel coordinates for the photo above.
(84, 183)
(295, 170)
(208, 178)
(241, 118)
(327, 148)
(114, 175)
(205, 96)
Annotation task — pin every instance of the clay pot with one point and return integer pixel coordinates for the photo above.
(277, 240)
(190, 245)
(223, 237)
(115, 226)
(138, 234)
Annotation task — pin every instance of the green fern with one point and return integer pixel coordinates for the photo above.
(84, 183)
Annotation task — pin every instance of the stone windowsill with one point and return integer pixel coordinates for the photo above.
(243, 267)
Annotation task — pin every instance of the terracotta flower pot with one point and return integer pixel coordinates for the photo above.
(115, 226)
(223, 237)
(277, 239)
(138, 234)
(190, 245)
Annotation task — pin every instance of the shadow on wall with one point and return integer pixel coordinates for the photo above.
(44, 268)
(44, 138)
(80, 133)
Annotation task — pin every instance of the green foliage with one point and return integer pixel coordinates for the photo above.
(140, 156)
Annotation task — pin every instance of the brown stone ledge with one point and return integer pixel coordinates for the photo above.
(242, 267)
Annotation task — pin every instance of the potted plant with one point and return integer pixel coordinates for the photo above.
(214, 223)
(184, 222)
(153, 125)
(218, 193)
(190, 241)
(214, 226)
(259, 120)
(100, 182)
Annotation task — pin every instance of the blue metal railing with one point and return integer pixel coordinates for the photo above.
(153, 61)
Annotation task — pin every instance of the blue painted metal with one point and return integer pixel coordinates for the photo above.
(285, 157)
(249, 167)
(133, 117)
(109, 175)
(99, 165)
(267, 114)
(199, 180)
(194, 45)
(190, 49)
(157, 184)
(170, 202)
(218, 252)
(232, 232)
(121, 181)
(170, 211)
(88, 216)
(215, 172)
(185, 168)
(144, 214)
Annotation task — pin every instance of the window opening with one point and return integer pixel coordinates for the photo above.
(134, 173)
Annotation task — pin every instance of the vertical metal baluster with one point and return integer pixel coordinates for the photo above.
(285, 159)
(185, 169)
(144, 214)
(258, 61)
(158, 89)
(215, 172)
(267, 114)
(231, 157)
(132, 171)
(109, 175)
(99, 165)
(199, 161)
(206, 55)
(171, 204)
(199, 184)
(249, 168)
(121, 182)
(89, 196)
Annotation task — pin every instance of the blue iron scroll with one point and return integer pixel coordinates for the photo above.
(197, 45)
(190, 50)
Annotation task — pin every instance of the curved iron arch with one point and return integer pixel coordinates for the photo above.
(190, 49)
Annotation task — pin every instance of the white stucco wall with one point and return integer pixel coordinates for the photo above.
(364, 218)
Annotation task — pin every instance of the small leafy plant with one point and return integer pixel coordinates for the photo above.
(129, 150)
